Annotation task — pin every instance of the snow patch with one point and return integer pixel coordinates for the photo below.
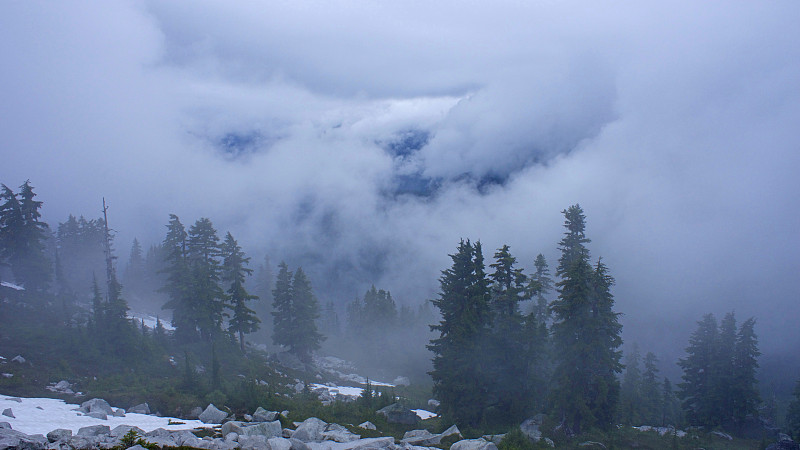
(12, 286)
(42, 415)
(423, 414)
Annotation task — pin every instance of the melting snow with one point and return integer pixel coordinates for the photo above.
(423, 414)
(43, 415)
(12, 286)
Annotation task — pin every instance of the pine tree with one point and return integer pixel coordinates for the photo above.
(116, 306)
(234, 272)
(135, 272)
(670, 406)
(202, 251)
(793, 413)
(98, 307)
(697, 391)
(460, 376)
(282, 307)
(540, 285)
(651, 391)
(178, 281)
(305, 312)
(745, 364)
(630, 405)
(586, 334)
(22, 238)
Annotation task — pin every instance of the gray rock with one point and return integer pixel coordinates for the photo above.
(212, 415)
(62, 385)
(367, 425)
(182, 436)
(8, 413)
(195, 412)
(96, 405)
(11, 439)
(18, 359)
(262, 415)
(248, 417)
(297, 444)
(137, 447)
(473, 444)
(122, 430)
(453, 430)
(119, 412)
(14, 399)
(287, 433)
(158, 432)
(338, 433)
(397, 413)
(98, 415)
(372, 443)
(94, 430)
(59, 434)
(142, 408)
(81, 442)
(162, 441)
(496, 438)
(310, 430)
(433, 403)
(231, 427)
(278, 443)
(420, 437)
(5, 426)
(268, 429)
(256, 442)
(530, 428)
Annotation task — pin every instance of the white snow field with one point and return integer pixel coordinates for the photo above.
(423, 414)
(43, 415)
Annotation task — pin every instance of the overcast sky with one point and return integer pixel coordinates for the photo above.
(363, 139)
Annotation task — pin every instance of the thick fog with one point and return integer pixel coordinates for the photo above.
(362, 140)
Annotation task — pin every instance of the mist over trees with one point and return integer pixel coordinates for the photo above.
(502, 347)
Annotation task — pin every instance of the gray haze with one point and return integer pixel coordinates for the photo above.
(362, 139)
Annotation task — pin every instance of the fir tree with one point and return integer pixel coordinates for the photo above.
(630, 405)
(460, 376)
(22, 238)
(178, 281)
(745, 364)
(234, 272)
(793, 413)
(282, 318)
(305, 312)
(586, 334)
(540, 285)
(202, 251)
(651, 391)
(697, 391)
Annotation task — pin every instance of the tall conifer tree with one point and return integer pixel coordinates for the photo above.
(234, 272)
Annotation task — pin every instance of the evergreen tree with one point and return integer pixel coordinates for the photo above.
(540, 285)
(670, 406)
(793, 413)
(116, 306)
(651, 391)
(282, 318)
(234, 272)
(745, 364)
(22, 238)
(98, 306)
(135, 272)
(202, 252)
(178, 281)
(630, 405)
(305, 312)
(697, 391)
(460, 376)
(586, 334)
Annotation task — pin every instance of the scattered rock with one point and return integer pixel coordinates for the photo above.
(433, 403)
(367, 426)
(256, 442)
(14, 399)
(338, 433)
(397, 413)
(18, 359)
(212, 415)
(231, 427)
(262, 415)
(96, 405)
(530, 428)
(59, 434)
(98, 415)
(268, 429)
(94, 430)
(8, 413)
(142, 408)
(297, 444)
(5, 426)
(122, 430)
(310, 430)
(279, 443)
(11, 439)
(473, 444)
(195, 412)
(119, 412)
